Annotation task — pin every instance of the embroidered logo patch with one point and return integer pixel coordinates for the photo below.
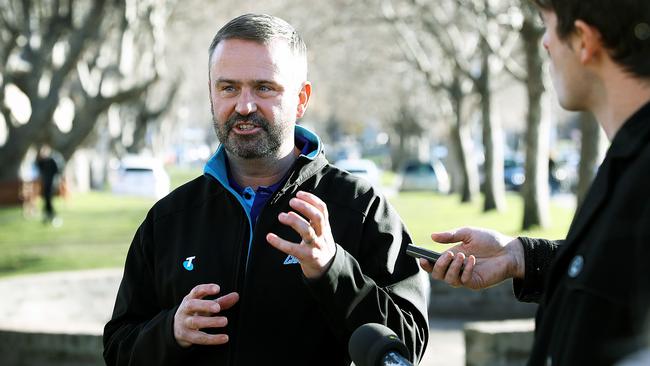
(187, 264)
(291, 260)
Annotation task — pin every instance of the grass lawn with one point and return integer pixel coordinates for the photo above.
(425, 213)
(98, 227)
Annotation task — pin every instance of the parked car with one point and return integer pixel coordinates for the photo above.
(141, 176)
(514, 174)
(424, 176)
(363, 168)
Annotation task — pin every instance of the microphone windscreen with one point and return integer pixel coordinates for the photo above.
(370, 342)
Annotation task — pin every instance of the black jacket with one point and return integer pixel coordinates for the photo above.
(281, 318)
(594, 289)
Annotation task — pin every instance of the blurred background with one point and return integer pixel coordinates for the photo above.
(445, 105)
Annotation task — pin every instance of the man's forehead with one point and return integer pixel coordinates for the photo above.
(235, 47)
(246, 59)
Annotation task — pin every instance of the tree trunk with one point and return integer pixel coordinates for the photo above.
(492, 140)
(591, 152)
(21, 138)
(464, 147)
(535, 189)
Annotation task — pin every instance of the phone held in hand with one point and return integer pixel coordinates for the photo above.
(419, 252)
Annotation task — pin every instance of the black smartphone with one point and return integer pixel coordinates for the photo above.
(419, 252)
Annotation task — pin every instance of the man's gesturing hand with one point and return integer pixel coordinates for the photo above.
(196, 313)
(317, 248)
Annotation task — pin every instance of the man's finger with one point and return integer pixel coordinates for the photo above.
(311, 212)
(201, 306)
(452, 236)
(202, 322)
(282, 245)
(466, 276)
(227, 301)
(452, 276)
(299, 225)
(202, 338)
(315, 201)
(445, 237)
(426, 265)
(442, 265)
(201, 291)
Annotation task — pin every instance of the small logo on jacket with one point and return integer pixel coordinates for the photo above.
(187, 264)
(291, 260)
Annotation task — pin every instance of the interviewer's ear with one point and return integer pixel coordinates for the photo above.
(589, 41)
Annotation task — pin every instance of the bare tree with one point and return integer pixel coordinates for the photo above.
(535, 190)
(406, 126)
(428, 56)
(446, 23)
(75, 53)
(30, 32)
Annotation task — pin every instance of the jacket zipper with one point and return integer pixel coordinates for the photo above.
(243, 277)
(240, 278)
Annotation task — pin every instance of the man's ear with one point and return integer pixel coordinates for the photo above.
(303, 99)
(210, 94)
(589, 41)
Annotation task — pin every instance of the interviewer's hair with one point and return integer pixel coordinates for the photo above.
(623, 24)
(261, 28)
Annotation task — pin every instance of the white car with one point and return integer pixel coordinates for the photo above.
(141, 176)
(425, 176)
(363, 168)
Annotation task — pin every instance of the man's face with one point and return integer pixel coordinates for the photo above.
(570, 78)
(256, 97)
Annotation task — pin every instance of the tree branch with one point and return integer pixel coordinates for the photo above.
(411, 47)
(77, 42)
(166, 104)
(441, 32)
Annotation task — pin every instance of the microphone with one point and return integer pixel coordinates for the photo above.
(373, 344)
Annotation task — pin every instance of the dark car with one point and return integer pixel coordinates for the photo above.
(514, 174)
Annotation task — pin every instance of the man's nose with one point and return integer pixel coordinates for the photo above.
(246, 103)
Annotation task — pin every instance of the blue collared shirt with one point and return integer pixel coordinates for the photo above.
(254, 201)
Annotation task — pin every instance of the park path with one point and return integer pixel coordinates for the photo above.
(82, 301)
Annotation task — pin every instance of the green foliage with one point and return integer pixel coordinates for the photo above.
(98, 227)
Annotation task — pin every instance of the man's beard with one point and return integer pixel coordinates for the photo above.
(267, 143)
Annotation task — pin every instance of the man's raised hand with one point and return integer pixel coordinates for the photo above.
(316, 250)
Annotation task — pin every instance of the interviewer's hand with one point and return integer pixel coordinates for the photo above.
(491, 258)
(194, 313)
(316, 250)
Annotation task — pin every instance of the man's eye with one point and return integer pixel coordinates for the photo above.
(264, 88)
(228, 89)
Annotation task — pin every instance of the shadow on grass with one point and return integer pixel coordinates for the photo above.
(18, 261)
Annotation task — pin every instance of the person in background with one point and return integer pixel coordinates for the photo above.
(48, 170)
(593, 288)
(273, 256)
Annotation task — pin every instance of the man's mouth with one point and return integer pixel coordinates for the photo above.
(245, 126)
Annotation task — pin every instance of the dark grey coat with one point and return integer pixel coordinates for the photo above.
(594, 288)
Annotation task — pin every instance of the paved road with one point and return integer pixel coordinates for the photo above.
(446, 343)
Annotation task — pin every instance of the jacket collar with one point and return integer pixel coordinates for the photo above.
(633, 135)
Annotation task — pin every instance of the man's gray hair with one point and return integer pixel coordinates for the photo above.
(261, 28)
